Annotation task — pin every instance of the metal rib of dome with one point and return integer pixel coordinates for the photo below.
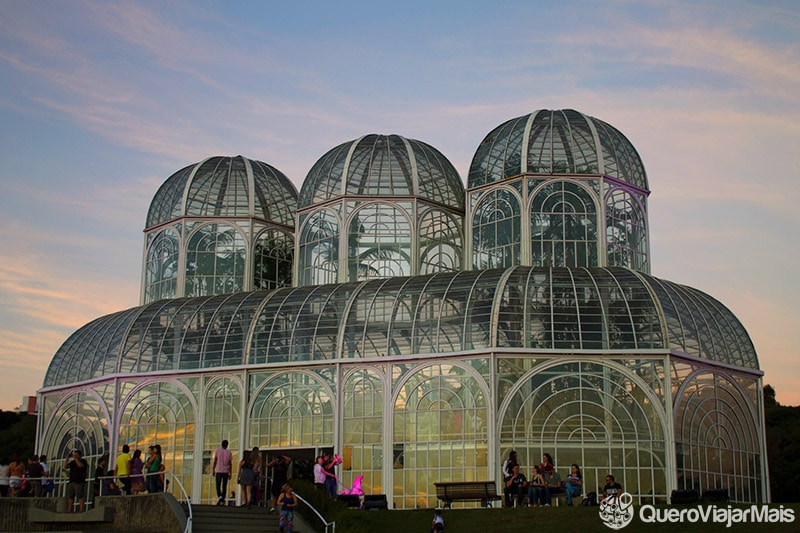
(556, 142)
(590, 310)
(225, 187)
(383, 165)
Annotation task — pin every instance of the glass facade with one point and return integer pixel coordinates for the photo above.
(428, 331)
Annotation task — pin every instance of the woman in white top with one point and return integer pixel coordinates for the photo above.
(4, 477)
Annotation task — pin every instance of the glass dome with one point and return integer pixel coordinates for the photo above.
(556, 142)
(225, 187)
(519, 308)
(383, 165)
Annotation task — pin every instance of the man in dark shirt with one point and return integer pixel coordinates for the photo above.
(76, 488)
(35, 473)
(516, 486)
(612, 488)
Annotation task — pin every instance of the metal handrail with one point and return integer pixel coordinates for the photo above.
(325, 522)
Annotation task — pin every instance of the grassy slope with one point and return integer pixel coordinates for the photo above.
(583, 519)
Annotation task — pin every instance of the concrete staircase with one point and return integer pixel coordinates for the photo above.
(217, 519)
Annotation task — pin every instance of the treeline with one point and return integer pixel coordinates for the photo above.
(783, 448)
(18, 436)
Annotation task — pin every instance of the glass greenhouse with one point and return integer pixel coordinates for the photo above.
(429, 329)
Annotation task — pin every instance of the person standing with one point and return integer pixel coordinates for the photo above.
(280, 475)
(331, 481)
(137, 479)
(45, 476)
(288, 501)
(76, 489)
(246, 477)
(153, 467)
(258, 466)
(34, 476)
(319, 474)
(16, 471)
(123, 469)
(4, 477)
(222, 470)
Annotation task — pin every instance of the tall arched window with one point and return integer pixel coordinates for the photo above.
(590, 414)
(440, 433)
(79, 423)
(716, 438)
(221, 422)
(379, 243)
(318, 257)
(161, 270)
(626, 231)
(439, 243)
(362, 434)
(563, 226)
(496, 231)
(215, 261)
(162, 413)
(272, 257)
(292, 410)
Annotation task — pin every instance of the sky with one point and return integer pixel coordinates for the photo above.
(100, 102)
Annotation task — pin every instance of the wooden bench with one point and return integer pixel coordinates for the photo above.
(467, 491)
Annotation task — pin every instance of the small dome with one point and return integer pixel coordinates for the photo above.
(225, 187)
(383, 165)
(556, 142)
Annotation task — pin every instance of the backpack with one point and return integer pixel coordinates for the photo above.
(590, 499)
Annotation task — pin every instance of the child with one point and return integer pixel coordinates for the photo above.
(438, 521)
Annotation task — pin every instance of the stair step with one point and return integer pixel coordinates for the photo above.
(213, 518)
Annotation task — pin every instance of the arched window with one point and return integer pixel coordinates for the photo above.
(379, 243)
(440, 433)
(439, 242)
(362, 435)
(496, 231)
(79, 423)
(292, 410)
(318, 258)
(716, 438)
(563, 226)
(161, 270)
(162, 413)
(273, 254)
(596, 416)
(215, 261)
(221, 422)
(626, 231)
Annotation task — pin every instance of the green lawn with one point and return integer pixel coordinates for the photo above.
(524, 520)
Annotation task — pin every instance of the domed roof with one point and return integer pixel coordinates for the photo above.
(225, 187)
(383, 165)
(556, 142)
(536, 309)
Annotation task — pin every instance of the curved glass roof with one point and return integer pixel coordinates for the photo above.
(521, 307)
(225, 187)
(556, 142)
(383, 165)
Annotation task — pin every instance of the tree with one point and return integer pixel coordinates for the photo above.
(783, 448)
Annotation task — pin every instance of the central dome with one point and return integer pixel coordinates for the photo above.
(383, 165)
(556, 142)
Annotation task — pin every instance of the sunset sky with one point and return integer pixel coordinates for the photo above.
(102, 101)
